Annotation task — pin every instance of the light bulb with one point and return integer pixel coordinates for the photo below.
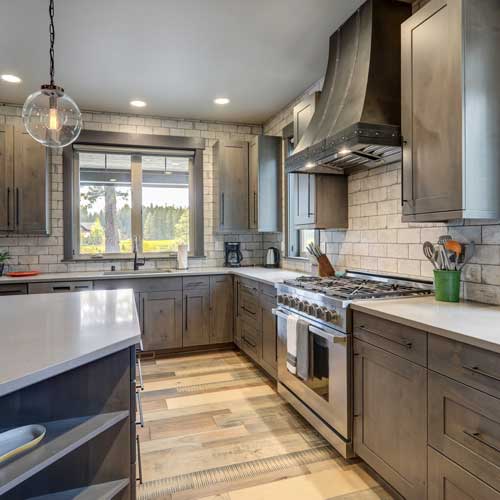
(54, 121)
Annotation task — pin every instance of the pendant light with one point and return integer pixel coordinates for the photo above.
(50, 116)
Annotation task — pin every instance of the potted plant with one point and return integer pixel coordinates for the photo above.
(4, 257)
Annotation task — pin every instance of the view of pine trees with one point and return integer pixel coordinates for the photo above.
(109, 230)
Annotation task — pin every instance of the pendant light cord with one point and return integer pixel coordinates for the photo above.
(52, 39)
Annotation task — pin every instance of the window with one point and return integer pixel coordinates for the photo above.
(121, 195)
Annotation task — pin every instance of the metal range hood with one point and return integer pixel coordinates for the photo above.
(357, 120)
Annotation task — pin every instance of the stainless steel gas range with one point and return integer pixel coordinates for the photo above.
(324, 396)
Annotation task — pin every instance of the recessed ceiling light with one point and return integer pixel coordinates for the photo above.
(138, 104)
(222, 100)
(11, 78)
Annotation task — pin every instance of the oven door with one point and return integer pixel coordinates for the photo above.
(326, 390)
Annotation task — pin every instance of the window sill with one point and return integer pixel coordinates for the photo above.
(109, 258)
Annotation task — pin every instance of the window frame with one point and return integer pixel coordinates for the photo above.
(135, 145)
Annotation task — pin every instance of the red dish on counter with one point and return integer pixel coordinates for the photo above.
(22, 274)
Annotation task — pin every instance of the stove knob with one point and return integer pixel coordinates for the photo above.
(285, 300)
(311, 310)
(293, 302)
(280, 299)
(331, 316)
(321, 312)
(304, 306)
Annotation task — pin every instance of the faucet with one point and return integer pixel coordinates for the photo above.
(137, 262)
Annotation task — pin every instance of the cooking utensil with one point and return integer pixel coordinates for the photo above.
(443, 239)
(466, 255)
(429, 251)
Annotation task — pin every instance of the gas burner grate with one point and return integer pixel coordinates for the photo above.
(350, 288)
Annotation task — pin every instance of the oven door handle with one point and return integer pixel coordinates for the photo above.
(335, 337)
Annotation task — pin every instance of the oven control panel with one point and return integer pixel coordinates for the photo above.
(315, 310)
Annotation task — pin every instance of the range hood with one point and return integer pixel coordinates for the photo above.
(357, 120)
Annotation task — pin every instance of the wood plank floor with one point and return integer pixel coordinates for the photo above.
(216, 429)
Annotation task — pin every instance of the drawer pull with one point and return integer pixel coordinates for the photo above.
(251, 288)
(405, 343)
(251, 344)
(196, 283)
(476, 369)
(248, 311)
(477, 437)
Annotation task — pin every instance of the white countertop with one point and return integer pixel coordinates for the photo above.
(45, 335)
(469, 322)
(266, 275)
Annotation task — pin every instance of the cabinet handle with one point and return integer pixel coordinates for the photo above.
(196, 283)
(405, 343)
(8, 207)
(477, 437)
(222, 209)
(186, 314)
(17, 206)
(250, 288)
(254, 207)
(248, 311)
(251, 344)
(61, 288)
(476, 369)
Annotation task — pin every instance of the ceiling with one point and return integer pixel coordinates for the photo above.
(177, 55)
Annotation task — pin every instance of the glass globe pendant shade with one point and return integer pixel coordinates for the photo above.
(51, 117)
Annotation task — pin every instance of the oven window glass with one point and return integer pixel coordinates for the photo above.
(319, 368)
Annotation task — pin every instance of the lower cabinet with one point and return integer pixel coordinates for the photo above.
(390, 418)
(255, 324)
(196, 330)
(449, 481)
(161, 320)
(221, 309)
(20, 289)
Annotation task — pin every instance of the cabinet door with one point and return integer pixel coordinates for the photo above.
(236, 306)
(221, 309)
(432, 109)
(6, 178)
(251, 342)
(231, 163)
(269, 335)
(253, 184)
(31, 185)
(390, 418)
(305, 199)
(20, 289)
(162, 320)
(302, 115)
(196, 317)
(448, 481)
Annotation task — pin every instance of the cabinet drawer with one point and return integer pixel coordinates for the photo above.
(464, 424)
(470, 365)
(140, 284)
(249, 306)
(60, 287)
(250, 340)
(404, 341)
(20, 289)
(448, 481)
(195, 282)
(268, 290)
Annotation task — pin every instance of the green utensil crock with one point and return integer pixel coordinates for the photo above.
(447, 285)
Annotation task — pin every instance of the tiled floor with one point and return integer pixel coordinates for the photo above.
(216, 429)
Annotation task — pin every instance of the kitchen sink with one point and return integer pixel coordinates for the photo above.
(140, 271)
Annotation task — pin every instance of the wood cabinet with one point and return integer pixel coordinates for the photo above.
(19, 289)
(196, 329)
(390, 418)
(248, 184)
(448, 481)
(24, 183)
(265, 183)
(450, 142)
(221, 309)
(255, 324)
(231, 182)
(303, 113)
(318, 201)
(162, 314)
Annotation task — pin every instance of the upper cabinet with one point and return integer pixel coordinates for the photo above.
(450, 109)
(247, 182)
(302, 114)
(24, 183)
(265, 183)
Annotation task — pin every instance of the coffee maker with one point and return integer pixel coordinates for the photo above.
(232, 253)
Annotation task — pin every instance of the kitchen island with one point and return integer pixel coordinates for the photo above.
(68, 363)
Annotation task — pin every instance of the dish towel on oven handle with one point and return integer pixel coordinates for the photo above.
(297, 346)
